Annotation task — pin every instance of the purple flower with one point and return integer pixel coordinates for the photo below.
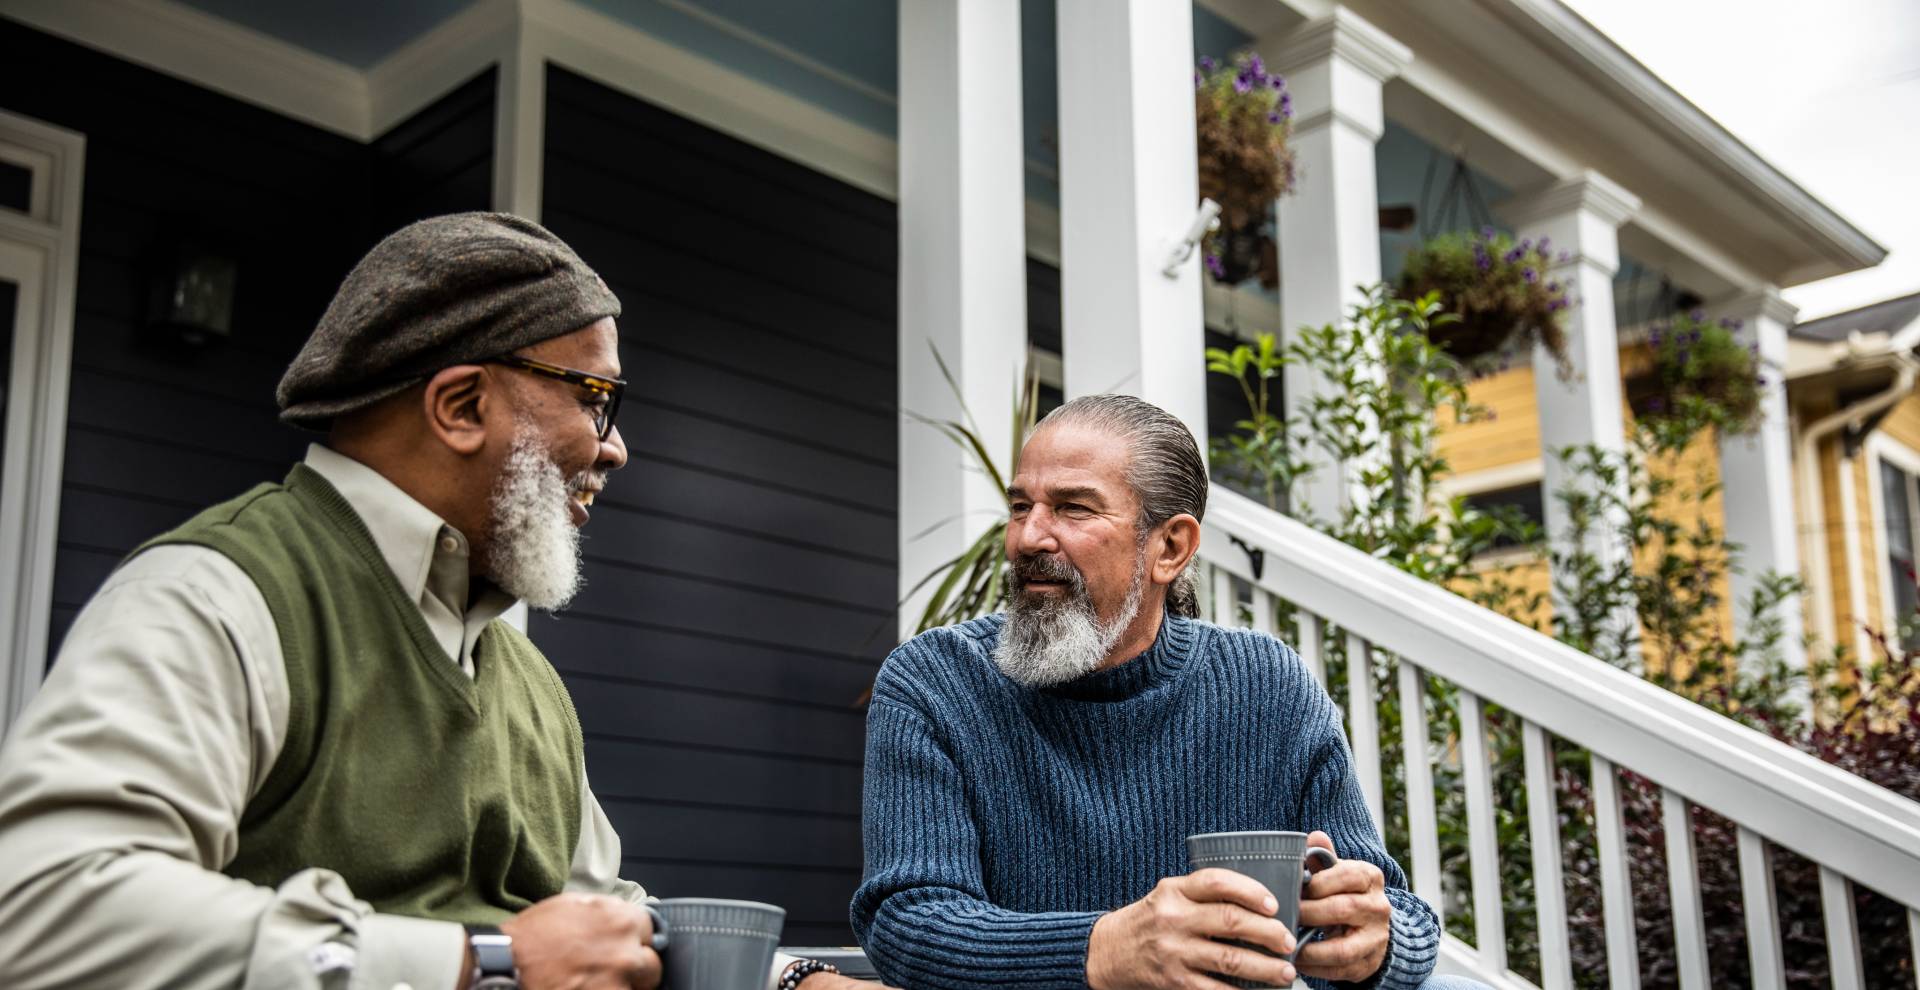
(1217, 267)
(1286, 104)
(1530, 275)
(1482, 262)
(1697, 315)
(1553, 287)
(1207, 62)
(1258, 67)
(1514, 255)
(1544, 241)
(1242, 84)
(1557, 305)
(1274, 118)
(1196, 80)
(1653, 337)
(1488, 232)
(1656, 405)
(1565, 256)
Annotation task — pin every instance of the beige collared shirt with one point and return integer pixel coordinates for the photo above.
(122, 786)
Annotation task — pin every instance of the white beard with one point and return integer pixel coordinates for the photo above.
(533, 547)
(1046, 642)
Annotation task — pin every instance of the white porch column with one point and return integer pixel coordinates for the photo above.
(1330, 227)
(1757, 470)
(963, 277)
(1129, 188)
(1582, 217)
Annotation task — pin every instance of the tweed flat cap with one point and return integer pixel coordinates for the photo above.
(448, 290)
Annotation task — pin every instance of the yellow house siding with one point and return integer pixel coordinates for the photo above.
(1509, 435)
(1871, 550)
(1834, 533)
(1903, 423)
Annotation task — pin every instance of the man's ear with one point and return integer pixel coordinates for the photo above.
(456, 402)
(1179, 540)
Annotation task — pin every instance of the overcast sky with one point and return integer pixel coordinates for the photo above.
(1829, 92)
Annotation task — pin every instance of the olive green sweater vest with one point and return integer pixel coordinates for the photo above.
(434, 794)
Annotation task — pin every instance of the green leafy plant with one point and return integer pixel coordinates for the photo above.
(1500, 292)
(1701, 377)
(972, 583)
(1243, 118)
(1637, 542)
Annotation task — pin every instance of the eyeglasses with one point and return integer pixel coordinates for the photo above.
(601, 386)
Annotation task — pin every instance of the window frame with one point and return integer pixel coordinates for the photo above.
(39, 251)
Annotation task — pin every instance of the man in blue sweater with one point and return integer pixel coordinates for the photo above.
(1031, 777)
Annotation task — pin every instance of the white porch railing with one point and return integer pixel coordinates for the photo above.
(1853, 830)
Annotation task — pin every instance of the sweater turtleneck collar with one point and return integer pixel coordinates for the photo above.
(1158, 666)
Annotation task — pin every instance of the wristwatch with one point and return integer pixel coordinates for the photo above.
(493, 967)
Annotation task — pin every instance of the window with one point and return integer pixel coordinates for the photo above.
(1528, 499)
(1900, 501)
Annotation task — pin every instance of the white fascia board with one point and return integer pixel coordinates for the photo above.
(212, 53)
(439, 61)
(1844, 245)
(633, 61)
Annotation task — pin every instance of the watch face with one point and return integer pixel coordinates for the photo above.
(495, 983)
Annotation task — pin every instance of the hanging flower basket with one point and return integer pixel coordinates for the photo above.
(1500, 291)
(1243, 117)
(1700, 374)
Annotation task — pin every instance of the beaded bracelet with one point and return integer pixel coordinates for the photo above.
(799, 971)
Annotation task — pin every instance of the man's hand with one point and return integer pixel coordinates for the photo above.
(1351, 895)
(1166, 939)
(584, 941)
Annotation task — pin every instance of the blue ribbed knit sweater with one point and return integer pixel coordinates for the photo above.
(1001, 821)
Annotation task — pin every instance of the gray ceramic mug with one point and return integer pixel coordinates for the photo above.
(1281, 861)
(710, 944)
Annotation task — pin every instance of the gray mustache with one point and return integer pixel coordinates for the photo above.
(1043, 567)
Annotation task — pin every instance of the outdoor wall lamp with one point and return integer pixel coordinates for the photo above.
(1208, 219)
(191, 301)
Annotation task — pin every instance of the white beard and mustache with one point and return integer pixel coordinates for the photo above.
(1048, 641)
(533, 546)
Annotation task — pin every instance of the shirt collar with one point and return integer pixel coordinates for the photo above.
(411, 538)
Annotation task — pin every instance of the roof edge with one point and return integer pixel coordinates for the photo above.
(1837, 237)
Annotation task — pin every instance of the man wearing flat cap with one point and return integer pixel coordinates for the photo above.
(291, 743)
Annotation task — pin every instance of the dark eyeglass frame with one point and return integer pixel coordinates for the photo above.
(612, 388)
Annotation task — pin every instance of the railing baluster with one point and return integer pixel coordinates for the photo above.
(1549, 890)
(1262, 610)
(1311, 636)
(1616, 885)
(1483, 841)
(1422, 822)
(1843, 935)
(1363, 715)
(1683, 886)
(1763, 920)
(1913, 943)
(1226, 607)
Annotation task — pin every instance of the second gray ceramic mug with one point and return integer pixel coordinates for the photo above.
(707, 943)
(1281, 861)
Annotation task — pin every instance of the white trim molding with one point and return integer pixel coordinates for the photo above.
(39, 251)
(214, 53)
(1880, 446)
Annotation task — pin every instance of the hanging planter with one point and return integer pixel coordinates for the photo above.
(1499, 290)
(1243, 117)
(1700, 375)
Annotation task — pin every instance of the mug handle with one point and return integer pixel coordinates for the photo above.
(1326, 859)
(660, 939)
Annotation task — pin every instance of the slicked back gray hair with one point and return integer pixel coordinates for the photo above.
(1164, 468)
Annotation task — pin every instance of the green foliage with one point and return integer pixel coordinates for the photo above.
(1637, 546)
(972, 583)
(1702, 378)
(1500, 293)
